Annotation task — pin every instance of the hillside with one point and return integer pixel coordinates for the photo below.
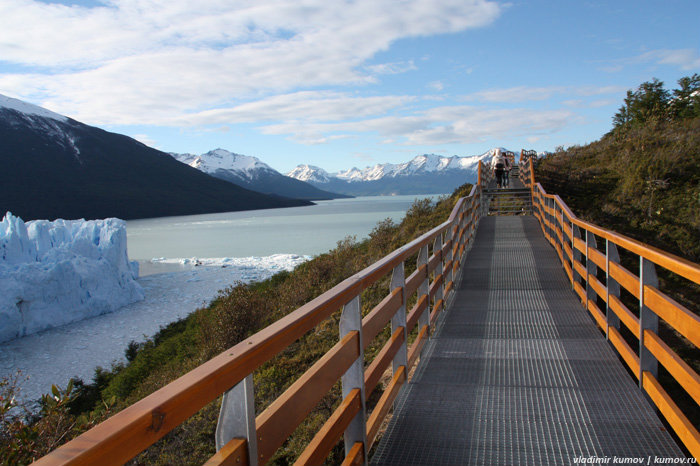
(642, 179)
(56, 167)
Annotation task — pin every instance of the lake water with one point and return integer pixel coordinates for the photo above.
(263, 243)
(309, 230)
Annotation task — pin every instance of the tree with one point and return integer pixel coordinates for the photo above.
(649, 102)
(686, 100)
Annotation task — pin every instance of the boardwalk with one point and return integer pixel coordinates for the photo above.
(517, 372)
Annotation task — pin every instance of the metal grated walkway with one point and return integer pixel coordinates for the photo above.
(517, 373)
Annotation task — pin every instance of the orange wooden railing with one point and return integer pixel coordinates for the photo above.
(243, 438)
(576, 243)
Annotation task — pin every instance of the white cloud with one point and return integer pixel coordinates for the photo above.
(515, 94)
(392, 68)
(440, 125)
(152, 60)
(525, 94)
(685, 59)
(307, 106)
(436, 85)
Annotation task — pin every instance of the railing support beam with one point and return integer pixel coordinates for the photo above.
(648, 320)
(612, 286)
(354, 377)
(399, 318)
(237, 418)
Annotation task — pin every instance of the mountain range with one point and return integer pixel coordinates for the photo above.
(57, 167)
(250, 173)
(424, 174)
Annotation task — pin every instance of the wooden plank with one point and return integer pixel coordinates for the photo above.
(676, 315)
(567, 249)
(600, 289)
(580, 245)
(379, 317)
(285, 413)
(597, 257)
(375, 370)
(436, 311)
(629, 356)
(414, 350)
(325, 439)
(415, 279)
(435, 285)
(355, 457)
(448, 288)
(597, 314)
(681, 425)
(234, 453)
(630, 320)
(625, 278)
(447, 265)
(682, 372)
(415, 313)
(433, 262)
(580, 269)
(384, 404)
(567, 268)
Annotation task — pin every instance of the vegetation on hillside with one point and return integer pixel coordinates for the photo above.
(237, 313)
(641, 179)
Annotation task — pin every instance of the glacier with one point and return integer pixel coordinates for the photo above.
(54, 273)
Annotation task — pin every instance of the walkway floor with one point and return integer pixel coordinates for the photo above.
(517, 372)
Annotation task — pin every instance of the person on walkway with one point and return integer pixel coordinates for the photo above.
(506, 171)
(498, 163)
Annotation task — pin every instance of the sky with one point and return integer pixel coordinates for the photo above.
(343, 83)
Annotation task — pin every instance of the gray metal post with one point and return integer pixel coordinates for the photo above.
(399, 318)
(611, 255)
(448, 255)
(424, 288)
(591, 268)
(237, 418)
(354, 377)
(648, 320)
(437, 249)
(575, 253)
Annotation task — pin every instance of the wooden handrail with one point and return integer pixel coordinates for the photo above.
(129, 432)
(552, 212)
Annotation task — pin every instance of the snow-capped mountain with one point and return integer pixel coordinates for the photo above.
(424, 174)
(310, 173)
(220, 159)
(54, 166)
(250, 173)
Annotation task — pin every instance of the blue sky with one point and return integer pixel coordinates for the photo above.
(344, 83)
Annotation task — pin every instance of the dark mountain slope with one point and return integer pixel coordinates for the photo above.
(62, 168)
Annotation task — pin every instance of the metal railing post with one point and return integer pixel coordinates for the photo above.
(424, 288)
(399, 318)
(575, 253)
(613, 287)
(437, 249)
(591, 268)
(648, 320)
(450, 234)
(354, 377)
(237, 418)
